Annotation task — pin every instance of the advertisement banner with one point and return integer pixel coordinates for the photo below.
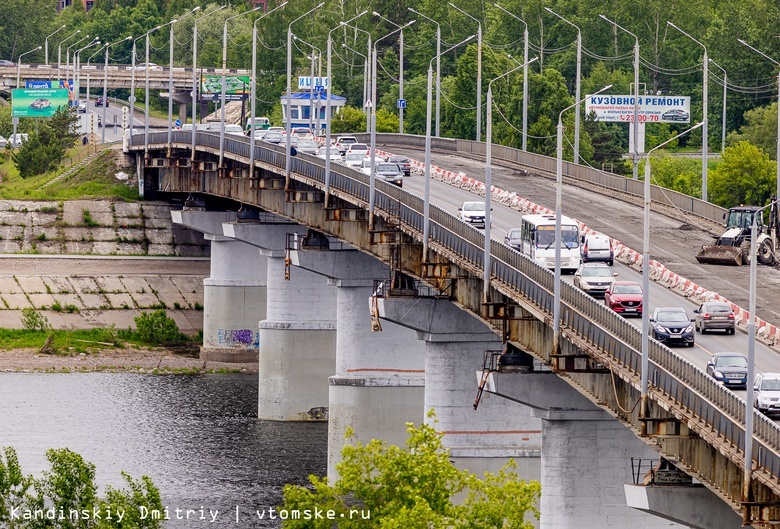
(306, 83)
(652, 109)
(234, 84)
(37, 103)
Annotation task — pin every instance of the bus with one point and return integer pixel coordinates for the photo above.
(537, 241)
(259, 123)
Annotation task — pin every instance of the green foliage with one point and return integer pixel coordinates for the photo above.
(680, 173)
(70, 486)
(47, 144)
(745, 176)
(386, 121)
(760, 129)
(387, 486)
(32, 320)
(350, 119)
(157, 328)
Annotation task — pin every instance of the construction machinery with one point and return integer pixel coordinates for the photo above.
(733, 246)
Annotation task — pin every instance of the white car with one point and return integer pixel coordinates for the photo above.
(354, 159)
(766, 396)
(81, 108)
(594, 278)
(148, 66)
(473, 212)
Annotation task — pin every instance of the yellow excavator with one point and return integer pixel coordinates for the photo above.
(733, 247)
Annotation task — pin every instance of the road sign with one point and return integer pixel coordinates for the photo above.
(401, 103)
(368, 104)
(177, 124)
(319, 89)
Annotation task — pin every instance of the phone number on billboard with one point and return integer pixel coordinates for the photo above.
(642, 118)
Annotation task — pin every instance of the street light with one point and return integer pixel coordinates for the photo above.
(427, 195)
(777, 154)
(488, 178)
(59, 52)
(749, 411)
(367, 103)
(372, 185)
(401, 71)
(525, 74)
(132, 97)
(195, 74)
(635, 124)
(313, 58)
(170, 78)
(78, 98)
(288, 158)
(479, 69)
(577, 85)
(77, 68)
(252, 89)
(558, 214)
(643, 403)
(146, 88)
(328, 98)
(18, 75)
(438, 68)
(705, 69)
(723, 124)
(365, 70)
(46, 43)
(105, 86)
(67, 57)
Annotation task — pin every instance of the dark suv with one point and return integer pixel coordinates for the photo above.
(671, 325)
(99, 102)
(403, 162)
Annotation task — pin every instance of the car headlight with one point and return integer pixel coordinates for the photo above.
(689, 328)
(717, 374)
(661, 328)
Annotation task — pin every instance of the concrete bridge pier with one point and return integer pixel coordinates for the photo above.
(455, 345)
(379, 383)
(298, 334)
(234, 295)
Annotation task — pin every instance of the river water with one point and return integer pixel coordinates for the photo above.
(197, 437)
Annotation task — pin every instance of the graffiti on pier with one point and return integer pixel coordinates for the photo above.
(238, 337)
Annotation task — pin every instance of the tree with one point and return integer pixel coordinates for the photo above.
(745, 176)
(350, 119)
(387, 486)
(69, 487)
(46, 147)
(760, 129)
(679, 173)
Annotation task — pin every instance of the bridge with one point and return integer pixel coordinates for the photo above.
(575, 408)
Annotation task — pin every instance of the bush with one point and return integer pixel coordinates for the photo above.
(32, 320)
(157, 328)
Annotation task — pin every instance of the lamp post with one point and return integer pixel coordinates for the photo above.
(577, 85)
(558, 214)
(170, 76)
(146, 89)
(77, 68)
(252, 89)
(488, 178)
(643, 408)
(525, 75)
(749, 411)
(427, 195)
(365, 70)
(372, 185)
(723, 121)
(105, 85)
(132, 97)
(67, 56)
(635, 125)
(704, 135)
(88, 76)
(288, 128)
(59, 51)
(400, 70)
(367, 104)
(328, 98)
(195, 75)
(777, 154)
(18, 75)
(438, 68)
(479, 69)
(46, 44)
(313, 58)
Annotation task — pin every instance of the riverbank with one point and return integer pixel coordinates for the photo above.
(156, 360)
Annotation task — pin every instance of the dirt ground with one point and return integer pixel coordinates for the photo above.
(135, 360)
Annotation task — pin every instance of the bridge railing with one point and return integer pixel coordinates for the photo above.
(691, 390)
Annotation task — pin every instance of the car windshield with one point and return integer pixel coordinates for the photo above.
(270, 136)
(307, 145)
(676, 316)
(358, 147)
(387, 167)
(473, 206)
(716, 308)
(731, 361)
(627, 289)
(354, 157)
(514, 234)
(398, 159)
(546, 237)
(596, 271)
(347, 140)
(770, 384)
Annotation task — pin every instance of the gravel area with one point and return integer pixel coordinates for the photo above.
(152, 360)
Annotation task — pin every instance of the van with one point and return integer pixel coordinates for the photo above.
(597, 247)
(259, 123)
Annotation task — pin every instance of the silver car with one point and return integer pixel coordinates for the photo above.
(308, 147)
(766, 392)
(390, 173)
(594, 278)
(514, 238)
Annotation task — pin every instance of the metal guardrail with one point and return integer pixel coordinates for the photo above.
(680, 381)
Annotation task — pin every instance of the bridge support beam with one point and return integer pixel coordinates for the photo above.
(455, 345)
(298, 335)
(380, 376)
(234, 295)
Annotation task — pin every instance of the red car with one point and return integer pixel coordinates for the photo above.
(624, 297)
(99, 102)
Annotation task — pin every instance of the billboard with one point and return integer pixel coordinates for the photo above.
(234, 84)
(40, 103)
(652, 109)
(306, 83)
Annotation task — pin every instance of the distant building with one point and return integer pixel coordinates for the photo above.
(258, 3)
(62, 4)
(306, 111)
